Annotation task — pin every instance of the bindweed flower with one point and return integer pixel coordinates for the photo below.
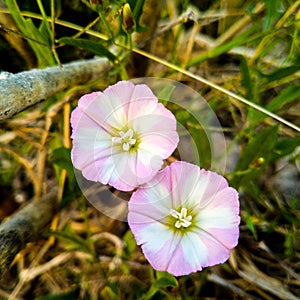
(185, 218)
(121, 136)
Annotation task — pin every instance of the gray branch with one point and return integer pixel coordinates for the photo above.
(22, 90)
(25, 226)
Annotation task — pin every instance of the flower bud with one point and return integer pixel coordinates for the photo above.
(257, 163)
(127, 18)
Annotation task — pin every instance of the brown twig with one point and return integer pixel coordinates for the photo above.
(22, 90)
(25, 226)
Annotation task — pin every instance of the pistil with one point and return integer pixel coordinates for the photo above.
(125, 138)
(183, 219)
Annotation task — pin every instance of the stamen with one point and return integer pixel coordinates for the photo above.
(183, 219)
(126, 139)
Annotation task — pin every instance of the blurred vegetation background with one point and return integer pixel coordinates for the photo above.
(242, 56)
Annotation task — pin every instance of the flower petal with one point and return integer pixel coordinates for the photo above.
(106, 125)
(203, 199)
(167, 249)
(202, 249)
(213, 184)
(149, 204)
(182, 179)
(159, 246)
(142, 92)
(220, 217)
(146, 166)
(142, 102)
(122, 177)
(109, 109)
(91, 144)
(155, 126)
(198, 186)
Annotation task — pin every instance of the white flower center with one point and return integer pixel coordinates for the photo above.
(183, 219)
(125, 138)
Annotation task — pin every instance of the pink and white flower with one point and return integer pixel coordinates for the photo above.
(121, 136)
(185, 219)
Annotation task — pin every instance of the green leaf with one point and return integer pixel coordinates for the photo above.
(165, 279)
(255, 157)
(41, 47)
(165, 94)
(259, 146)
(44, 31)
(61, 157)
(137, 7)
(71, 240)
(45, 25)
(38, 41)
(108, 293)
(250, 224)
(294, 49)
(94, 47)
(289, 244)
(285, 147)
(203, 151)
(130, 242)
(246, 78)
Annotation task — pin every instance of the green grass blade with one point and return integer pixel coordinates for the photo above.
(273, 8)
(26, 26)
(94, 47)
(280, 73)
(288, 95)
(45, 23)
(214, 52)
